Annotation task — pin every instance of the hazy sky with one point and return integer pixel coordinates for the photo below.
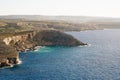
(105, 8)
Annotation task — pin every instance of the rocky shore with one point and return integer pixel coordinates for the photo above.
(10, 46)
(8, 55)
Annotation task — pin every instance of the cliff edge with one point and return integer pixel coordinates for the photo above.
(55, 38)
(10, 46)
(8, 55)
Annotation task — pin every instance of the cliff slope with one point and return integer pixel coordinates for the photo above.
(55, 38)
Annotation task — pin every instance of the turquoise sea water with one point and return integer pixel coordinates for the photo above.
(98, 61)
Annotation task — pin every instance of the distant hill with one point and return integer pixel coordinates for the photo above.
(74, 19)
(16, 23)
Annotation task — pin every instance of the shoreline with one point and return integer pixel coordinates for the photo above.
(94, 30)
(29, 41)
(12, 65)
(31, 49)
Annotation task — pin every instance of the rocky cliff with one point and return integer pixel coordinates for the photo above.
(55, 38)
(22, 41)
(28, 40)
(8, 55)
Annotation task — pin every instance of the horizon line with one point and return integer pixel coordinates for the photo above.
(57, 15)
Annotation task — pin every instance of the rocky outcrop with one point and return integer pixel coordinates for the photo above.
(10, 46)
(55, 38)
(42, 38)
(8, 55)
(20, 42)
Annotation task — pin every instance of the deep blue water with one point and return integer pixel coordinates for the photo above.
(100, 61)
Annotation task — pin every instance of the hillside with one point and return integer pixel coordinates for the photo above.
(20, 25)
(64, 23)
(75, 19)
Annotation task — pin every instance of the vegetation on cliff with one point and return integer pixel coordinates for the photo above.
(55, 38)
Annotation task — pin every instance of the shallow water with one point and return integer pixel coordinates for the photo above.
(99, 61)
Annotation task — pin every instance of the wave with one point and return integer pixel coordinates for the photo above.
(88, 45)
(7, 67)
(19, 62)
(12, 65)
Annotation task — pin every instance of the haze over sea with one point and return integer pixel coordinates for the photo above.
(100, 61)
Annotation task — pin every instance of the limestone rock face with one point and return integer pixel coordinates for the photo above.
(21, 42)
(8, 55)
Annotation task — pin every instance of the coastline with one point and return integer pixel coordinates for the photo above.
(12, 65)
(35, 48)
(33, 41)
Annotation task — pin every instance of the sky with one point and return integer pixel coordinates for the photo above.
(101, 8)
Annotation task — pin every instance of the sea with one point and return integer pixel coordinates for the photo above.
(99, 60)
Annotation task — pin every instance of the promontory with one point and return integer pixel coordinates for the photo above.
(11, 44)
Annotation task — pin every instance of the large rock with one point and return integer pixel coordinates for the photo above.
(8, 55)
